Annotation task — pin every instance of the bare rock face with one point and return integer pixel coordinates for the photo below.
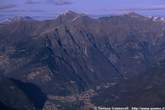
(75, 53)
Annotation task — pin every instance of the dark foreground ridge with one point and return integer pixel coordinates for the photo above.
(17, 95)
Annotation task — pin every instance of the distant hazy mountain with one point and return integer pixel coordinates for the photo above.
(82, 61)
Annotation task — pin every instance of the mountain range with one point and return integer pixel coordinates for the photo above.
(76, 62)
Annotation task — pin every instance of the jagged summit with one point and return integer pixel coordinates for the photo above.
(69, 12)
(21, 18)
(69, 16)
(157, 18)
(16, 19)
(133, 15)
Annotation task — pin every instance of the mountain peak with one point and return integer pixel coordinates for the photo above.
(21, 18)
(68, 16)
(17, 19)
(69, 12)
(133, 14)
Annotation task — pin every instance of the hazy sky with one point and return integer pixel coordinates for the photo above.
(44, 9)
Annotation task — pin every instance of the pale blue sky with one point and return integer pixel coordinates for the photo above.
(45, 9)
